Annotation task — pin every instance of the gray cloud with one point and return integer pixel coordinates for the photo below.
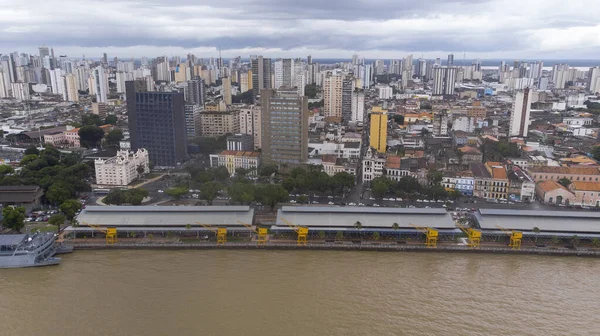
(332, 28)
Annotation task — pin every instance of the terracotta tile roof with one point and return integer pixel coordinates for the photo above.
(469, 150)
(580, 170)
(586, 186)
(393, 162)
(550, 185)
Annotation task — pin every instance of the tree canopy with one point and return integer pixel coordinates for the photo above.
(70, 208)
(176, 192)
(210, 190)
(110, 120)
(91, 119)
(90, 136)
(113, 138)
(129, 196)
(310, 90)
(13, 217)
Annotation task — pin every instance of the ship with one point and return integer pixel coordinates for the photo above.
(28, 250)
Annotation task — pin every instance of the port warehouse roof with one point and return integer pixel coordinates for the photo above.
(375, 218)
(526, 220)
(166, 216)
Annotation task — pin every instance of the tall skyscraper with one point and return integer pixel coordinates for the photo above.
(332, 97)
(100, 81)
(449, 80)
(284, 73)
(44, 51)
(104, 59)
(444, 79)
(378, 131)
(284, 126)
(358, 105)
(347, 88)
(421, 68)
(3, 86)
(519, 118)
(157, 123)
(195, 92)
(593, 80)
(226, 90)
(261, 73)
(429, 70)
(71, 93)
(450, 60)
(438, 81)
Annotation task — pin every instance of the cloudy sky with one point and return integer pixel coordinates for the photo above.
(323, 28)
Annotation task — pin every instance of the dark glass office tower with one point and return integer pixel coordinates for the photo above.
(157, 123)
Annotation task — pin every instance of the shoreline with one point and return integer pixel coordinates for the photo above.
(340, 247)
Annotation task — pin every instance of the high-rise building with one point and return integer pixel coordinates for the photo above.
(157, 123)
(450, 61)
(519, 118)
(440, 123)
(378, 131)
(71, 93)
(195, 92)
(44, 51)
(122, 78)
(163, 72)
(559, 75)
(250, 123)
(449, 80)
(57, 82)
(226, 82)
(366, 76)
(408, 65)
(261, 73)
(396, 67)
(104, 59)
(347, 88)
(358, 105)
(192, 120)
(438, 81)
(284, 73)
(593, 80)
(379, 67)
(421, 68)
(429, 70)
(332, 97)
(284, 126)
(100, 82)
(20, 91)
(3, 86)
(245, 81)
(444, 79)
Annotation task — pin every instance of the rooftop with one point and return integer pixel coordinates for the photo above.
(550, 185)
(558, 221)
(586, 170)
(585, 186)
(240, 153)
(20, 194)
(369, 217)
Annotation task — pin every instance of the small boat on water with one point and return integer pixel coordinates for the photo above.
(28, 250)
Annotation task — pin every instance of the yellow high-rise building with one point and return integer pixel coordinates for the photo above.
(378, 132)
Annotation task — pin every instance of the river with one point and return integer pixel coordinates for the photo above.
(226, 292)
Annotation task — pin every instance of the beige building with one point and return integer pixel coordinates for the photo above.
(245, 81)
(586, 193)
(553, 192)
(217, 123)
(71, 93)
(491, 180)
(332, 97)
(121, 169)
(181, 73)
(226, 82)
(575, 174)
(233, 160)
(250, 123)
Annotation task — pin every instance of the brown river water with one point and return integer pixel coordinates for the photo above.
(226, 292)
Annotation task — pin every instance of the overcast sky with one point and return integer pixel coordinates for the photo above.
(288, 28)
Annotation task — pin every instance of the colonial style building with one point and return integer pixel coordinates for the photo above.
(233, 160)
(490, 180)
(122, 169)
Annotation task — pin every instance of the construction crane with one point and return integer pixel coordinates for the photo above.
(515, 237)
(300, 230)
(220, 232)
(110, 233)
(430, 234)
(473, 235)
(261, 233)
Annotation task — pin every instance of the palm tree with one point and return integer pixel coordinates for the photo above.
(376, 236)
(358, 225)
(596, 242)
(575, 240)
(321, 234)
(188, 226)
(536, 230)
(396, 227)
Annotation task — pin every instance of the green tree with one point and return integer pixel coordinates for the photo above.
(113, 138)
(396, 227)
(575, 240)
(565, 182)
(380, 186)
(176, 192)
(376, 235)
(243, 193)
(339, 235)
(268, 170)
(6, 169)
(91, 119)
(110, 120)
(321, 234)
(90, 136)
(59, 192)
(358, 225)
(221, 173)
(209, 191)
(13, 217)
(70, 208)
(310, 91)
(28, 159)
(271, 195)
(537, 231)
(596, 242)
(454, 194)
(555, 239)
(58, 220)
(343, 181)
(434, 177)
(32, 151)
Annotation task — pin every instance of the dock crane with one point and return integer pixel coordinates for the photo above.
(430, 234)
(261, 233)
(110, 233)
(473, 235)
(515, 237)
(300, 230)
(220, 232)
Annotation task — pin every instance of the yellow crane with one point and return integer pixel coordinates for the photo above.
(110, 233)
(300, 230)
(515, 237)
(473, 235)
(430, 234)
(221, 233)
(260, 232)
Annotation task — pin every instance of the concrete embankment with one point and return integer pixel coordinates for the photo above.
(342, 247)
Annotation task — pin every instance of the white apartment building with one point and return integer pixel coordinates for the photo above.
(519, 118)
(358, 105)
(250, 123)
(385, 92)
(121, 169)
(372, 165)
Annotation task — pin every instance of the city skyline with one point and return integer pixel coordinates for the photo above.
(379, 29)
